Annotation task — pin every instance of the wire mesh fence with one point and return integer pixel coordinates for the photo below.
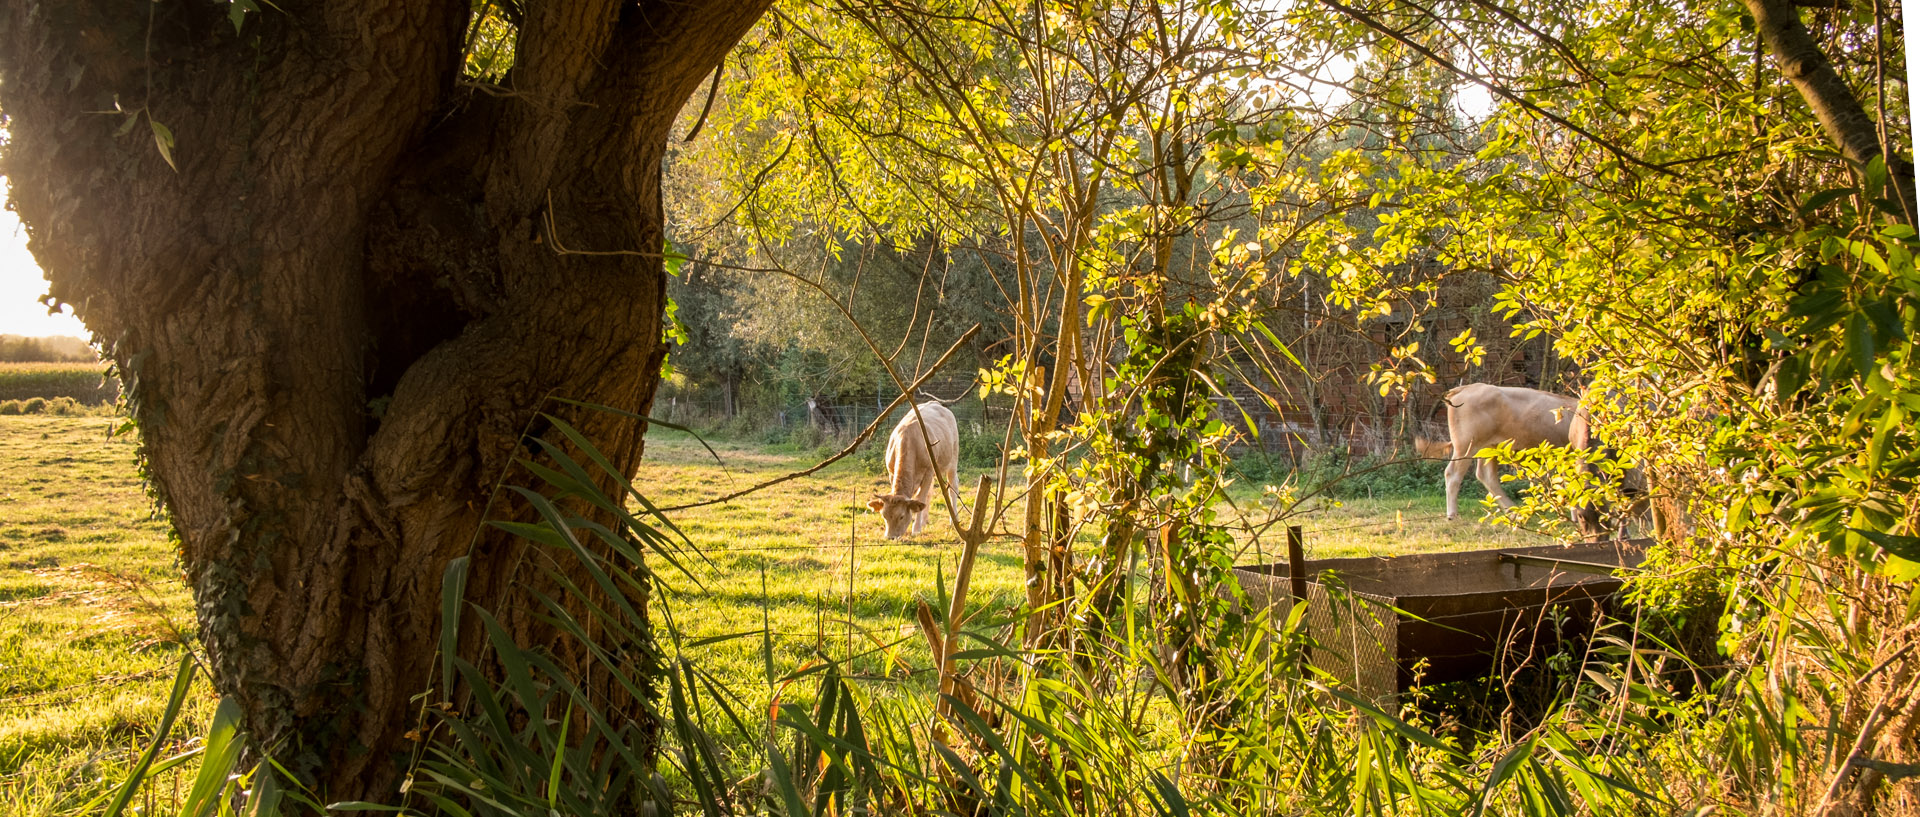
(1289, 433)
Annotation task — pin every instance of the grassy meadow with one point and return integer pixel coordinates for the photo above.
(93, 613)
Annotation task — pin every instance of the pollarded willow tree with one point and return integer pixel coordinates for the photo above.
(340, 277)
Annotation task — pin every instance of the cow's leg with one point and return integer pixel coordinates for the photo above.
(1489, 474)
(953, 489)
(1587, 520)
(925, 494)
(1456, 474)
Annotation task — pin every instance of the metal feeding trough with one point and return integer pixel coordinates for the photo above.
(1382, 622)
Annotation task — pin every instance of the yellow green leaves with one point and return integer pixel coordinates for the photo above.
(1469, 347)
(1099, 308)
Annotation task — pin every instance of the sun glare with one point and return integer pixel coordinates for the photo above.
(22, 285)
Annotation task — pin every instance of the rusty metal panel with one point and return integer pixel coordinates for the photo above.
(1353, 632)
(1375, 620)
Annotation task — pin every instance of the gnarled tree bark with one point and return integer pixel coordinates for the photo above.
(339, 313)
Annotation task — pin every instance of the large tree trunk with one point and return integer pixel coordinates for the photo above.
(338, 315)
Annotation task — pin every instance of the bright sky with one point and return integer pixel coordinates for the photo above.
(21, 286)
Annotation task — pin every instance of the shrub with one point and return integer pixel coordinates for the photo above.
(65, 407)
(979, 450)
(738, 427)
(773, 435)
(808, 437)
(11, 407)
(34, 405)
(19, 349)
(1259, 467)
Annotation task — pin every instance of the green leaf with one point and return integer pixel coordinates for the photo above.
(1890, 421)
(674, 260)
(237, 12)
(182, 681)
(1380, 716)
(1824, 197)
(1900, 570)
(559, 758)
(1905, 547)
(264, 799)
(1817, 304)
(216, 766)
(1860, 345)
(1502, 771)
(453, 588)
(163, 138)
(1170, 801)
(1886, 318)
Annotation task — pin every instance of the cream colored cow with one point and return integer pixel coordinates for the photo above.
(1481, 416)
(925, 443)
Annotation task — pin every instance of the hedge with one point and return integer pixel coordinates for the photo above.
(87, 383)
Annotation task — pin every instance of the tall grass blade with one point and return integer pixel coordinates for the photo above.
(453, 588)
(216, 765)
(1502, 771)
(176, 700)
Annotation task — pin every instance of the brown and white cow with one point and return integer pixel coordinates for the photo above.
(1481, 416)
(926, 443)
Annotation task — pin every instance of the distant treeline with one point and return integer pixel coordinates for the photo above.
(60, 349)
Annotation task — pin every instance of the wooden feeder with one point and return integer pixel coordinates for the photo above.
(1465, 615)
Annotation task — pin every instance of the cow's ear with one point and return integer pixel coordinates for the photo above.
(876, 504)
(916, 505)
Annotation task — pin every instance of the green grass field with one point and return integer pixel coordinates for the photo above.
(93, 615)
(93, 611)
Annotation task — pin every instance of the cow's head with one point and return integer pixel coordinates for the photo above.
(898, 511)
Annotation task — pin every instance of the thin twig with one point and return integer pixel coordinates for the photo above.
(712, 91)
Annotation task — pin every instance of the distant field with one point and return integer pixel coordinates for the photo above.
(92, 607)
(84, 382)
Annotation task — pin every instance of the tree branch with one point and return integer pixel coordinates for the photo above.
(1498, 90)
(1840, 114)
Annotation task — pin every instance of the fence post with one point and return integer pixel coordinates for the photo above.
(1296, 563)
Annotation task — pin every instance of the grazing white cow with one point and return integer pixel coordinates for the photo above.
(912, 467)
(1480, 416)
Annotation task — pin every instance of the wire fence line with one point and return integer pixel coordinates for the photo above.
(1291, 430)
